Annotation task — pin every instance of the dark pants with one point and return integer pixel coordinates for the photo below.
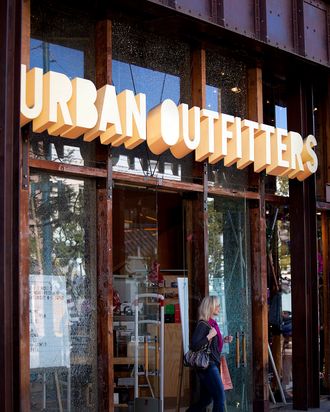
(211, 389)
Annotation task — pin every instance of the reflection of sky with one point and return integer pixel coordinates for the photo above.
(281, 119)
(212, 98)
(61, 59)
(157, 86)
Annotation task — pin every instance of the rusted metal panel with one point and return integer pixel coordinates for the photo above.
(198, 8)
(242, 22)
(65, 168)
(199, 212)
(103, 55)
(234, 193)
(104, 301)
(26, 31)
(24, 234)
(260, 19)
(196, 214)
(149, 181)
(313, 294)
(298, 26)
(326, 297)
(279, 24)
(24, 271)
(259, 303)
(103, 41)
(315, 30)
(299, 298)
(302, 200)
(194, 208)
(10, 51)
(217, 11)
(257, 217)
(198, 76)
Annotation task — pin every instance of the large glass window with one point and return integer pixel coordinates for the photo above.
(62, 285)
(159, 67)
(275, 96)
(65, 46)
(226, 92)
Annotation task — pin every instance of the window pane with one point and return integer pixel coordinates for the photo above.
(229, 280)
(160, 68)
(63, 318)
(65, 46)
(226, 92)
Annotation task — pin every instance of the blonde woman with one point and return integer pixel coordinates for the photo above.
(207, 331)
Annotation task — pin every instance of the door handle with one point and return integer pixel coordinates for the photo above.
(244, 363)
(240, 360)
(237, 359)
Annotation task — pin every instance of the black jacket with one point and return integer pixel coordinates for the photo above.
(199, 339)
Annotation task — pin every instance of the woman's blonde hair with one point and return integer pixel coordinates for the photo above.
(207, 307)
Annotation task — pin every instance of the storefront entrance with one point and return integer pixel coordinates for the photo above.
(149, 257)
(229, 278)
(153, 241)
(152, 244)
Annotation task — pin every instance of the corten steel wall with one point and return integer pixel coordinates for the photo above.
(297, 26)
(10, 40)
(303, 247)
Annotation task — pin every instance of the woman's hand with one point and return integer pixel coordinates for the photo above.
(228, 339)
(211, 334)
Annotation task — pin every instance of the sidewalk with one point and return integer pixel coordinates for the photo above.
(324, 406)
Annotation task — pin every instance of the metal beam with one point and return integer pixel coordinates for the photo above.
(300, 27)
(305, 350)
(257, 216)
(103, 47)
(10, 50)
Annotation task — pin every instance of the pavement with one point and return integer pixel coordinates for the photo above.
(281, 407)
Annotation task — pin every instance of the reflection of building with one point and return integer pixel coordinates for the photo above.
(143, 219)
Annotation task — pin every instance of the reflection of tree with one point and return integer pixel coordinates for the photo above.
(282, 186)
(57, 225)
(61, 150)
(215, 230)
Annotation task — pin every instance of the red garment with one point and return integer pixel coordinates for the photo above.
(214, 325)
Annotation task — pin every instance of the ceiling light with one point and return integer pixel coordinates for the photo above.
(235, 89)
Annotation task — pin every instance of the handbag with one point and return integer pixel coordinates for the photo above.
(225, 375)
(198, 359)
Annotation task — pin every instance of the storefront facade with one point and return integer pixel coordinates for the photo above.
(147, 201)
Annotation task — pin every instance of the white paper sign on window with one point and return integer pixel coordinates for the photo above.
(49, 322)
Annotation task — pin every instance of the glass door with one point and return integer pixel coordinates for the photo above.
(149, 272)
(229, 274)
(136, 310)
